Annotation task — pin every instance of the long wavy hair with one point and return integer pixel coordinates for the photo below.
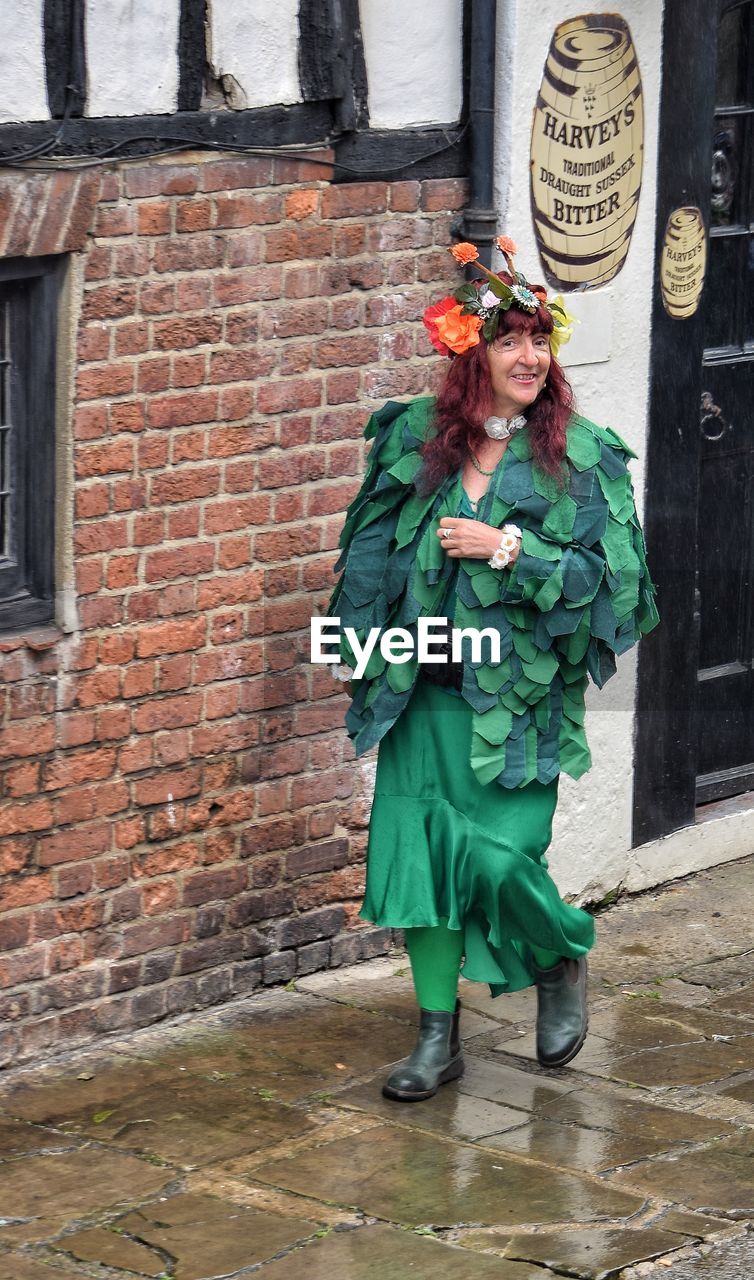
(464, 403)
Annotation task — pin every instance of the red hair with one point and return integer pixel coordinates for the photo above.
(464, 403)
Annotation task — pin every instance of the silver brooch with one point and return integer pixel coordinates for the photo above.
(501, 428)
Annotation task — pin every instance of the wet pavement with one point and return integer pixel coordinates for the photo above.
(254, 1140)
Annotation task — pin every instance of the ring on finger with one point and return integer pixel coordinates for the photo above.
(446, 533)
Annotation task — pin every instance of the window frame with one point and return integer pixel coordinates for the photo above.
(31, 289)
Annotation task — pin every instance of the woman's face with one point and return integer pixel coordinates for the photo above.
(519, 363)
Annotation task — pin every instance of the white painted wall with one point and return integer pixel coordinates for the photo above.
(256, 42)
(132, 57)
(22, 65)
(413, 54)
(592, 837)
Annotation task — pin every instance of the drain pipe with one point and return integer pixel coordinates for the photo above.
(479, 220)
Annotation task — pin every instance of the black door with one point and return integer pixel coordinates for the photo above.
(695, 723)
(725, 681)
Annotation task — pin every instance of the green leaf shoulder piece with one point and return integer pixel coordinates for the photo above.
(579, 593)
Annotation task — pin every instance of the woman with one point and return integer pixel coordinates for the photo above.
(470, 749)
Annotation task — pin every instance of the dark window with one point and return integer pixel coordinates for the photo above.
(28, 325)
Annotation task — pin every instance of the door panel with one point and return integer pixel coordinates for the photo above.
(725, 585)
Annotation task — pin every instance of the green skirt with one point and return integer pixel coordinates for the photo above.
(443, 845)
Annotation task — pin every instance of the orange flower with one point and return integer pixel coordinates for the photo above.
(506, 245)
(464, 252)
(458, 332)
(430, 318)
(540, 292)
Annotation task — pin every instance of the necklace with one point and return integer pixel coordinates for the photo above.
(480, 469)
(501, 428)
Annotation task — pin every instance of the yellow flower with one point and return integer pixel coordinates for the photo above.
(561, 335)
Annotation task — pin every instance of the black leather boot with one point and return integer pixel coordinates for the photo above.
(437, 1058)
(562, 1015)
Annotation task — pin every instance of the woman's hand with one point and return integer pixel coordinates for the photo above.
(471, 539)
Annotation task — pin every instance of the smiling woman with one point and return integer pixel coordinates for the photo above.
(470, 752)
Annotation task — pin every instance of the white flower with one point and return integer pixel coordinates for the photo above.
(488, 299)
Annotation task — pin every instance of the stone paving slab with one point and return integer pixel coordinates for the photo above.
(382, 1252)
(416, 1179)
(595, 1254)
(254, 1139)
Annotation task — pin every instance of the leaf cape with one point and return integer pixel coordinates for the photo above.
(579, 593)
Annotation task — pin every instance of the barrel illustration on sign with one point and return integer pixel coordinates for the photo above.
(587, 149)
(683, 262)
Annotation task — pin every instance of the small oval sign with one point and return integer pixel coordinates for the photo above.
(587, 151)
(683, 262)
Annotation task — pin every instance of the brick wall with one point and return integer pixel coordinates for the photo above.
(181, 817)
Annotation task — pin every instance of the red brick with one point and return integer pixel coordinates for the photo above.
(189, 371)
(290, 394)
(94, 690)
(301, 204)
(183, 523)
(131, 259)
(25, 891)
(109, 302)
(165, 860)
(183, 410)
(136, 756)
(114, 220)
(235, 513)
(343, 387)
(84, 766)
(228, 589)
(236, 175)
(208, 886)
(154, 375)
(188, 484)
(245, 210)
(153, 217)
(246, 250)
(105, 380)
(131, 338)
(336, 352)
(443, 193)
(189, 253)
(122, 571)
(168, 713)
(128, 415)
(104, 459)
(161, 179)
(247, 286)
(235, 403)
(353, 199)
(171, 335)
(193, 215)
(155, 299)
(15, 855)
(171, 637)
(166, 787)
(232, 662)
(93, 343)
(28, 739)
(129, 495)
(404, 196)
(90, 421)
(302, 242)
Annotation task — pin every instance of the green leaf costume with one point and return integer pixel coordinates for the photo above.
(578, 594)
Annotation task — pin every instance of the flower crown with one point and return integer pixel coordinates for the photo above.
(454, 323)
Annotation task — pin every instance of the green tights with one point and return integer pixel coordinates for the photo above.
(435, 952)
